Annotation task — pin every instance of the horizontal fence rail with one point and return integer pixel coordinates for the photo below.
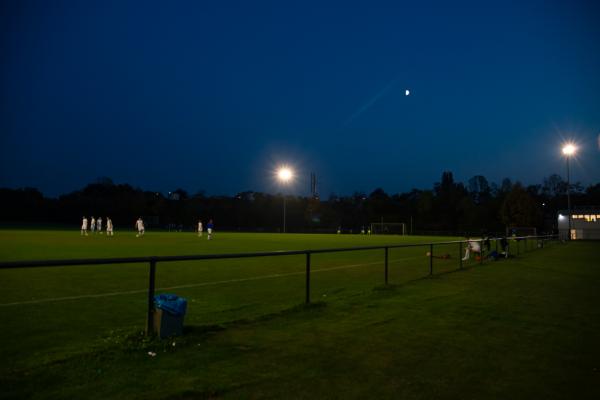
(153, 260)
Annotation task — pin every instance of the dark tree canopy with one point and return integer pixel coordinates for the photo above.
(449, 207)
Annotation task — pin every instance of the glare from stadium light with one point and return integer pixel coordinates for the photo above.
(569, 149)
(285, 174)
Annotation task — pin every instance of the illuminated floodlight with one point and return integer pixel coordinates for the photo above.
(569, 149)
(285, 174)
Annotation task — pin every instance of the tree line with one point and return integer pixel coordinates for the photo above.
(449, 207)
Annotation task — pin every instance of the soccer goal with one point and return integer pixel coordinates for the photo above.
(388, 228)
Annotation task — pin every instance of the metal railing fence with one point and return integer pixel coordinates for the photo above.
(484, 245)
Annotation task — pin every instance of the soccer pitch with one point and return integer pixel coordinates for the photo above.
(62, 309)
(519, 328)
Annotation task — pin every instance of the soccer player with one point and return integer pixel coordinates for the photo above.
(93, 225)
(209, 229)
(99, 222)
(200, 228)
(109, 227)
(139, 225)
(84, 226)
(472, 245)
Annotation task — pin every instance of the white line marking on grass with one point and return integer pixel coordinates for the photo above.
(191, 285)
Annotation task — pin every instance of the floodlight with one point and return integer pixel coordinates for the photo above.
(569, 149)
(285, 174)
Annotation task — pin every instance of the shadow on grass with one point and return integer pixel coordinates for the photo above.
(304, 309)
(393, 287)
(126, 341)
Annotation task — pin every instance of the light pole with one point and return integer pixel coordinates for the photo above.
(568, 150)
(284, 174)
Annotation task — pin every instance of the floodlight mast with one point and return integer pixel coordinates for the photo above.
(285, 175)
(569, 149)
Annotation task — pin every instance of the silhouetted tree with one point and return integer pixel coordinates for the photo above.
(449, 207)
(519, 208)
(479, 189)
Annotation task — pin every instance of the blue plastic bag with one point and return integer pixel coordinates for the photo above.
(171, 303)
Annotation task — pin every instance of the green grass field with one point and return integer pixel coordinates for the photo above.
(521, 328)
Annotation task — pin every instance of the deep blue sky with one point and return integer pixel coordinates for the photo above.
(214, 95)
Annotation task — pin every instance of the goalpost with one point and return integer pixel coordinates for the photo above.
(388, 228)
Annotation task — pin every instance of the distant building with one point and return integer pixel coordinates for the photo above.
(585, 223)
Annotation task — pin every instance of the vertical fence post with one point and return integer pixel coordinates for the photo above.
(431, 259)
(481, 252)
(151, 284)
(307, 277)
(386, 265)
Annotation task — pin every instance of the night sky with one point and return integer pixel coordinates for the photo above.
(214, 95)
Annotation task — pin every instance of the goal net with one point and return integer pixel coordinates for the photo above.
(388, 228)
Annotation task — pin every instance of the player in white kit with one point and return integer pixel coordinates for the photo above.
(99, 224)
(93, 225)
(109, 227)
(472, 246)
(84, 226)
(139, 224)
(200, 228)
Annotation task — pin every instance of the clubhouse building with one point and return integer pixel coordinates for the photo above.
(585, 223)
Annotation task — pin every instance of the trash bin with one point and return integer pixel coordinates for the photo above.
(169, 311)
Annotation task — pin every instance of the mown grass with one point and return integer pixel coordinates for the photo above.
(521, 328)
